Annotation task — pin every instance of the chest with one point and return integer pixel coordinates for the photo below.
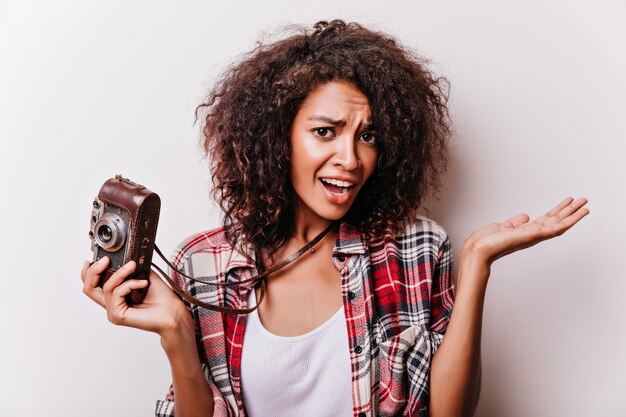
(301, 297)
(386, 297)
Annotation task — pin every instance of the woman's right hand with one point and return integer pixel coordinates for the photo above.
(161, 311)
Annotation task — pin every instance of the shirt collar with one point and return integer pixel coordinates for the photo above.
(239, 260)
(350, 241)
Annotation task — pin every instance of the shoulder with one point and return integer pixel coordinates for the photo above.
(422, 231)
(208, 241)
(412, 272)
(422, 243)
(208, 254)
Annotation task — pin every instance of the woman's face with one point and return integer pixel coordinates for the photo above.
(334, 150)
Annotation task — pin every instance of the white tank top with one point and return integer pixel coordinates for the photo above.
(306, 375)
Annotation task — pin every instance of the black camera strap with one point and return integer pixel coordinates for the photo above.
(259, 278)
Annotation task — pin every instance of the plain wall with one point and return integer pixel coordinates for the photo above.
(89, 89)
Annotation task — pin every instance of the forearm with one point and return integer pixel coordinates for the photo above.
(193, 395)
(455, 369)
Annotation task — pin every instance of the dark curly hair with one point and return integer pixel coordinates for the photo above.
(249, 112)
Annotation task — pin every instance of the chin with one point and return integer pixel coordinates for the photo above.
(332, 214)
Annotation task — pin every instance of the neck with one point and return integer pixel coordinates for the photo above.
(304, 233)
(308, 227)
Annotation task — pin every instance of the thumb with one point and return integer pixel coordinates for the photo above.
(518, 220)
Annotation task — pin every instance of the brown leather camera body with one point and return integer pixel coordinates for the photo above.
(124, 223)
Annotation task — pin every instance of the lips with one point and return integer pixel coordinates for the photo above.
(337, 191)
(338, 187)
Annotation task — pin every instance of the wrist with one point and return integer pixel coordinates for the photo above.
(473, 268)
(476, 250)
(180, 334)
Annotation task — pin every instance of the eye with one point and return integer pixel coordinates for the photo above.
(323, 132)
(369, 138)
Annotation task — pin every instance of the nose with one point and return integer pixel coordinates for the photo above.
(346, 153)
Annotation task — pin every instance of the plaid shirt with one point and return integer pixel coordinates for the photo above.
(397, 296)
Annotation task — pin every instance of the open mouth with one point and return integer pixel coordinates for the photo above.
(337, 187)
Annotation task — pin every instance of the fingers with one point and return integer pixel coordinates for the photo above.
(556, 209)
(563, 215)
(90, 275)
(561, 211)
(119, 293)
(550, 216)
(117, 309)
(567, 216)
(84, 271)
(115, 291)
(571, 208)
(118, 277)
(576, 215)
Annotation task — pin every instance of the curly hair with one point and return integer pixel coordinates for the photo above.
(249, 112)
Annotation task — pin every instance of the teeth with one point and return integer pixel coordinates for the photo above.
(337, 182)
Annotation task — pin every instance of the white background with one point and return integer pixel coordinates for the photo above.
(90, 89)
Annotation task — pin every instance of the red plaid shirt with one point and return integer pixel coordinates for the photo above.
(397, 296)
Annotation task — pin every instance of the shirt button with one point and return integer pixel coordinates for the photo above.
(358, 349)
(341, 258)
(351, 295)
(362, 414)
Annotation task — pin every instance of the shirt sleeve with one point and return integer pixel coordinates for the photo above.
(442, 292)
(165, 407)
(405, 358)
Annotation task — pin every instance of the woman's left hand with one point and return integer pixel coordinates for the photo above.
(496, 240)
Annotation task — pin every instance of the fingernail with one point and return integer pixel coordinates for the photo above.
(101, 261)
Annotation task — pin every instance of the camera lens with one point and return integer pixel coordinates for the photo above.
(110, 232)
(105, 233)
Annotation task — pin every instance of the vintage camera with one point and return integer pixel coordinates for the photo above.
(123, 227)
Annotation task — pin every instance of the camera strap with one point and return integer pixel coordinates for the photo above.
(259, 278)
(193, 300)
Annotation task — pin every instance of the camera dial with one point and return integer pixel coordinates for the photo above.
(110, 232)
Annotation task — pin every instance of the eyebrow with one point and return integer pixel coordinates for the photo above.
(340, 123)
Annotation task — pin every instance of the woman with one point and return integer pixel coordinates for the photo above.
(339, 129)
